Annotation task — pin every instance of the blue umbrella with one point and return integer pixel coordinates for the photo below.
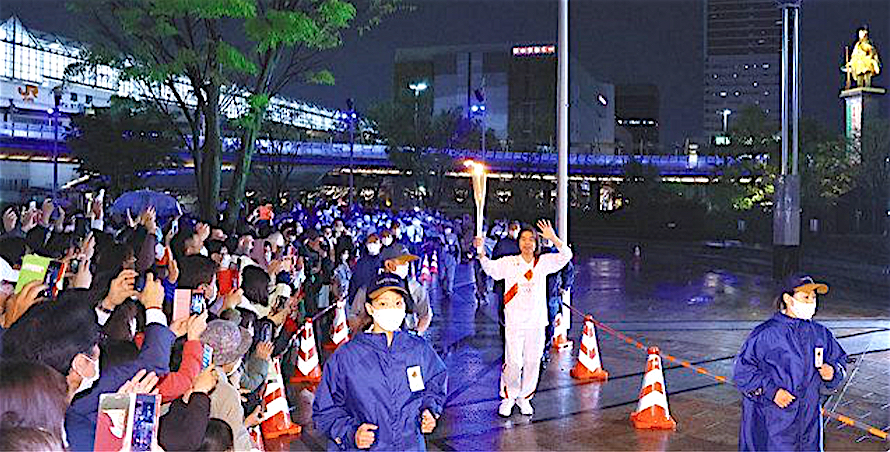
(165, 205)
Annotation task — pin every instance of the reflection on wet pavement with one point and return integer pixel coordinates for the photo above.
(691, 309)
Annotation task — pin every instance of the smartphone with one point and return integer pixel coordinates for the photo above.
(74, 265)
(32, 205)
(207, 357)
(197, 303)
(139, 284)
(145, 422)
(265, 332)
(181, 303)
(55, 273)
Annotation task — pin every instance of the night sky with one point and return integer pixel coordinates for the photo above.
(620, 41)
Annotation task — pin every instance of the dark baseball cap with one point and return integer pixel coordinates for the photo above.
(386, 282)
(397, 253)
(803, 283)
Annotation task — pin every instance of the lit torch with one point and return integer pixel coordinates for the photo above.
(478, 175)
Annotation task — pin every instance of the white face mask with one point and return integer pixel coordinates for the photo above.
(268, 256)
(226, 261)
(373, 248)
(803, 311)
(388, 319)
(514, 234)
(387, 241)
(87, 382)
(401, 271)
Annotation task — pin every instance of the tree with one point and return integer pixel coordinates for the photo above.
(193, 58)
(415, 142)
(122, 141)
(288, 40)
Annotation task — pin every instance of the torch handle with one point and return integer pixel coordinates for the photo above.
(479, 220)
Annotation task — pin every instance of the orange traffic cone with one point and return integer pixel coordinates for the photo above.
(652, 410)
(308, 369)
(277, 420)
(434, 264)
(257, 436)
(425, 276)
(560, 335)
(339, 331)
(589, 366)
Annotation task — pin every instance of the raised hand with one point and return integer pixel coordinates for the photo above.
(10, 218)
(427, 422)
(141, 383)
(547, 230)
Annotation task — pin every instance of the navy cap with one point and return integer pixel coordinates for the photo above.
(804, 283)
(386, 282)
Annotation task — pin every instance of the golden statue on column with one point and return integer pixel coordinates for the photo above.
(863, 63)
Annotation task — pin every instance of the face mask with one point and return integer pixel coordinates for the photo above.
(345, 258)
(447, 231)
(373, 248)
(210, 294)
(387, 241)
(402, 271)
(268, 256)
(389, 319)
(514, 234)
(226, 261)
(87, 382)
(803, 311)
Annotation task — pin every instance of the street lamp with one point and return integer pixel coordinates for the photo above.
(725, 113)
(351, 116)
(57, 98)
(479, 109)
(417, 87)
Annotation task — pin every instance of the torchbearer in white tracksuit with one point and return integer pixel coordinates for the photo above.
(525, 311)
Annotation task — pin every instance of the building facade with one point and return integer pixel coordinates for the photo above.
(637, 108)
(519, 84)
(742, 61)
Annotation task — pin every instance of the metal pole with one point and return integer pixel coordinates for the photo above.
(562, 114)
(795, 88)
(55, 153)
(484, 114)
(351, 159)
(562, 132)
(784, 91)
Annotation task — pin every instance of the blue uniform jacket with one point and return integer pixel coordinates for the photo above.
(780, 354)
(366, 381)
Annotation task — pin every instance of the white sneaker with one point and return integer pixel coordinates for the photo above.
(506, 407)
(525, 407)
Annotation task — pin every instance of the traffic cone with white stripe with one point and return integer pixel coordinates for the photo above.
(425, 276)
(256, 434)
(560, 335)
(434, 264)
(589, 366)
(308, 369)
(276, 418)
(339, 331)
(652, 410)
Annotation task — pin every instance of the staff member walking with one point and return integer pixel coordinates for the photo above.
(782, 370)
(525, 311)
(385, 388)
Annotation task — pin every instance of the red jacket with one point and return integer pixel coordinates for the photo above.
(175, 384)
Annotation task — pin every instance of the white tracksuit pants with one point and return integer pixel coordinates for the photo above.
(522, 362)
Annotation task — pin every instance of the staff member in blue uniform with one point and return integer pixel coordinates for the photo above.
(783, 368)
(385, 387)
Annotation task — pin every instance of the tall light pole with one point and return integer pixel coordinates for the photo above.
(786, 213)
(417, 87)
(351, 117)
(479, 109)
(562, 133)
(57, 98)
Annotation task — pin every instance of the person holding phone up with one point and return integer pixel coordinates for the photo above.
(784, 367)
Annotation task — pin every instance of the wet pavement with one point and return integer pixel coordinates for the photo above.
(699, 310)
